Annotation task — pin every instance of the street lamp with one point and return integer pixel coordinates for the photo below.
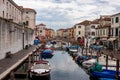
(23, 31)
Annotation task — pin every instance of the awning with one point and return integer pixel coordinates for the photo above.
(96, 37)
(112, 39)
(104, 39)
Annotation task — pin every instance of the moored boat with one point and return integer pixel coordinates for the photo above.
(40, 68)
(110, 74)
(47, 53)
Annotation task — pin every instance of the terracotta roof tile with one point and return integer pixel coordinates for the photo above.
(86, 22)
(41, 24)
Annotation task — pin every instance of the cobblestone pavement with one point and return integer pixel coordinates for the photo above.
(6, 63)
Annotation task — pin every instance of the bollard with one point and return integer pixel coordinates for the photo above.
(12, 76)
(106, 61)
(32, 57)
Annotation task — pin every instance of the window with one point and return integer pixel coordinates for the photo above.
(116, 32)
(3, 1)
(27, 23)
(112, 32)
(3, 14)
(112, 20)
(79, 32)
(79, 26)
(116, 19)
(40, 31)
(7, 15)
(100, 32)
(93, 33)
(103, 32)
(93, 27)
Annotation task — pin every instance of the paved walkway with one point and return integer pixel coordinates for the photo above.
(8, 63)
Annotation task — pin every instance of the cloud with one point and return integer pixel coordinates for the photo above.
(66, 13)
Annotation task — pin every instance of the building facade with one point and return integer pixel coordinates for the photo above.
(29, 16)
(10, 10)
(80, 29)
(115, 25)
(60, 33)
(15, 33)
(103, 30)
(41, 30)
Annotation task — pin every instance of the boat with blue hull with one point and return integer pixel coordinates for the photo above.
(47, 53)
(104, 74)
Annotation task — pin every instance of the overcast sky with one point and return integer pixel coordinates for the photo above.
(65, 13)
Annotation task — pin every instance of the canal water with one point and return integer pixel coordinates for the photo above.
(63, 67)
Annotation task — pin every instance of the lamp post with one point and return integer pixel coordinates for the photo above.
(23, 31)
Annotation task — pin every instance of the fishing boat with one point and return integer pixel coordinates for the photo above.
(111, 63)
(73, 49)
(40, 68)
(88, 63)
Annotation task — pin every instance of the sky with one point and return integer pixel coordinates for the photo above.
(64, 14)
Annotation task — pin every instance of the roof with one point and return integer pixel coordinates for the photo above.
(41, 24)
(115, 14)
(96, 21)
(86, 22)
(112, 39)
(29, 9)
(105, 17)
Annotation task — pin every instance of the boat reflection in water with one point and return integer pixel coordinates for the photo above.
(41, 78)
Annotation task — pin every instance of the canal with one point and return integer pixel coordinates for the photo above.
(63, 67)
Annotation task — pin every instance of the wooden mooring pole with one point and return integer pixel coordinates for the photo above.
(106, 61)
(12, 76)
(117, 70)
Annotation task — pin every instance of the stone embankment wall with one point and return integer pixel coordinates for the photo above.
(11, 37)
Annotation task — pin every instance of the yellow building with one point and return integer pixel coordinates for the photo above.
(52, 33)
(71, 35)
(60, 32)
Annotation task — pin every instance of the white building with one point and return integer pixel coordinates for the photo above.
(92, 28)
(10, 10)
(115, 28)
(41, 30)
(13, 36)
(103, 30)
(115, 25)
(29, 16)
(79, 29)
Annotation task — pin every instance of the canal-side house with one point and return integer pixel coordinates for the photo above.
(28, 20)
(52, 35)
(41, 31)
(13, 35)
(60, 33)
(71, 34)
(80, 28)
(103, 30)
(91, 29)
(66, 33)
(49, 33)
(115, 28)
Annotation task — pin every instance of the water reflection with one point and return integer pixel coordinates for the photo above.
(41, 78)
(64, 68)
